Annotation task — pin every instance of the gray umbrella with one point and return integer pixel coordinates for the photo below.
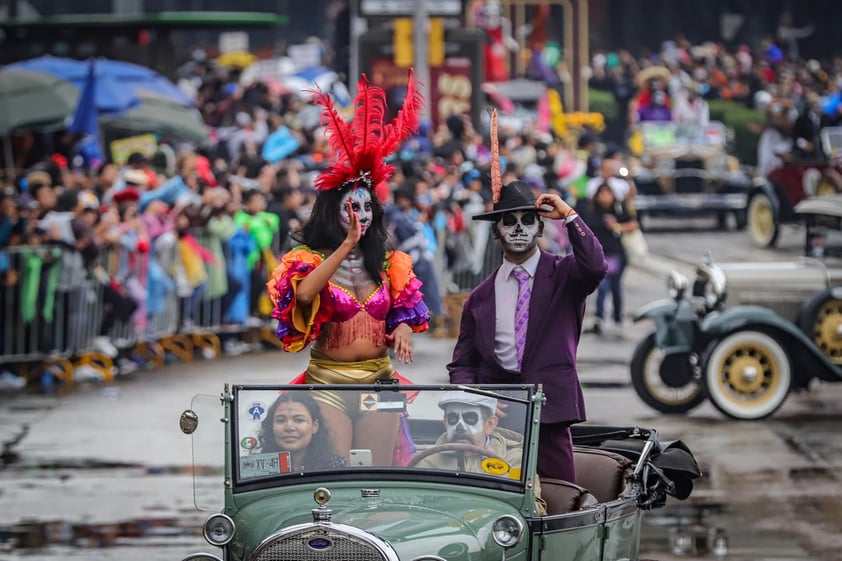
(159, 115)
(31, 99)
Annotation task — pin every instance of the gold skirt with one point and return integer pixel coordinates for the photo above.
(324, 370)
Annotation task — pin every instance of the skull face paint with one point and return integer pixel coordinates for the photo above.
(464, 423)
(360, 199)
(519, 230)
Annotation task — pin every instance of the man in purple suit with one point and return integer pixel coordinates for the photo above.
(537, 300)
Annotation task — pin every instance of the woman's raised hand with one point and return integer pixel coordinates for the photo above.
(354, 229)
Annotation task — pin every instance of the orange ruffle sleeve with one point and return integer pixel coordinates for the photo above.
(297, 325)
(405, 290)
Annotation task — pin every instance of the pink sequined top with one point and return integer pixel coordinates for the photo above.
(352, 319)
(347, 306)
(336, 317)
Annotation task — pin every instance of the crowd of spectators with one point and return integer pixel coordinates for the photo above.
(203, 225)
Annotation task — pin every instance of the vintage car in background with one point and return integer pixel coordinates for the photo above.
(517, 101)
(748, 333)
(475, 506)
(686, 170)
(772, 201)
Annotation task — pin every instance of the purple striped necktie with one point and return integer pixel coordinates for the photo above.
(521, 311)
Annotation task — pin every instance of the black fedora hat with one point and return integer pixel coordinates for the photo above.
(514, 196)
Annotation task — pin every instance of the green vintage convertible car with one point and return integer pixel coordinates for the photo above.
(747, 334)
(438, 499)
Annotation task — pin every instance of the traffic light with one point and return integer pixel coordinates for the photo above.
(402, 42)
(435, 45)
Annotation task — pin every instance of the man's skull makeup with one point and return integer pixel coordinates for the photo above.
(360, 199)
(519, 230)
(465, 423)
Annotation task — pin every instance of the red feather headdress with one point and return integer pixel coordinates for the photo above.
(360, 147)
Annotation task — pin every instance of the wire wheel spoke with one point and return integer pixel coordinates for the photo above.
(827, 330)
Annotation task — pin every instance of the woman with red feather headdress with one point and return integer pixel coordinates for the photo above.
(343, 289)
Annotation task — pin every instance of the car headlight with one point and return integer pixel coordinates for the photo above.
(507, 531)
(710, 294)
(219, 529)
(676, 285)
(710, 285)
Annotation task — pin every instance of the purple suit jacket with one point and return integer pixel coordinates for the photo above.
(556, 309)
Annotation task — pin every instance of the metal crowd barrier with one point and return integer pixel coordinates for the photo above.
(54, 306)
(49, 309)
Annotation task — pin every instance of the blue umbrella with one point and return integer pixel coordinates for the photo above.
(85, 120)
(118, 84)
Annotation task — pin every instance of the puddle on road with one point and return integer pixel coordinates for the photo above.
(786, 524)
(714, 532)
(40, 534)
(677, 531)
(778, 527)
(29, 536)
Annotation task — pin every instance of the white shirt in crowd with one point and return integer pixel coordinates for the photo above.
(620, 187)
(686, 112)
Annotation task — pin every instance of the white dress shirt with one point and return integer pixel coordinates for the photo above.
(505, 300)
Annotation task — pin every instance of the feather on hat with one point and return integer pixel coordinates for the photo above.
(360, 147)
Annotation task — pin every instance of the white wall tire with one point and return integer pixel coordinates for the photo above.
(665, 396)
(747, 375)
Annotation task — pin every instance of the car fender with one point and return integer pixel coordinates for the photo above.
(656, 309)
(715, 326)
(674, 324)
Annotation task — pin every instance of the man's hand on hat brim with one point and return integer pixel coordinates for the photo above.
(559, 207)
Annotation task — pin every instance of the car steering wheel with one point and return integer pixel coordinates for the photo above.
(449, 447)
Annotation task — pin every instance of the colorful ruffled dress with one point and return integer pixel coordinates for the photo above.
(379, 314)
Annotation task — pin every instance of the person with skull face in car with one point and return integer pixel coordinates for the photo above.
(471, 419)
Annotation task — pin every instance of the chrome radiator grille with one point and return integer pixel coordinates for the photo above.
(343, 546)
(785, 305)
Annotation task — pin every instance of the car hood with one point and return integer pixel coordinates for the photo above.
(798, 271)
(447, 524)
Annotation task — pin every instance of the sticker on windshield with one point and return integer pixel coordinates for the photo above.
(248, 442)
(495, 466)
(256, 411)
(382, 402)
(258, 465)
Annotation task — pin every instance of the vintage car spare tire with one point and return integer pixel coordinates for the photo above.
(747, 375)
(821, 321)
(762, 220)
(664, 382)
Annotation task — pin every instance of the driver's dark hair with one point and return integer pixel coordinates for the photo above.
(324, 231)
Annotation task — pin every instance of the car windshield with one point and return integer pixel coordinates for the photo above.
(448, 431)
(664, 134)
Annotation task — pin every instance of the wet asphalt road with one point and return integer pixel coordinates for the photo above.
(111, 458)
